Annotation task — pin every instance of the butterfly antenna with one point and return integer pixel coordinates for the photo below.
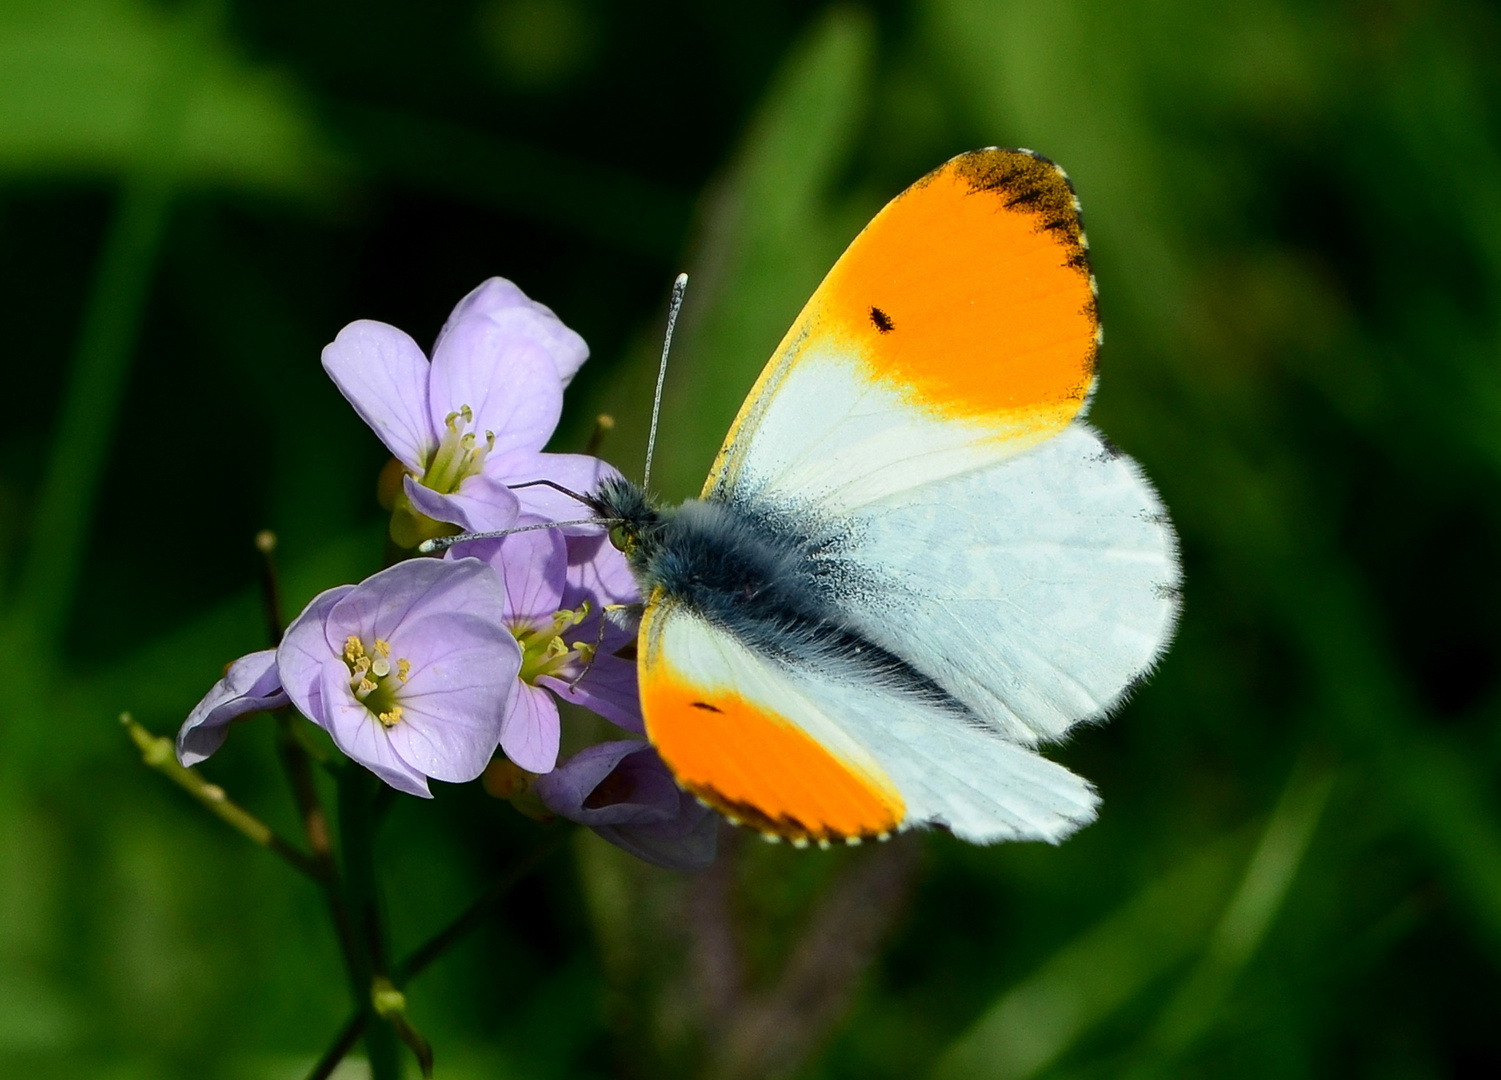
(679, 287)
(443, 543)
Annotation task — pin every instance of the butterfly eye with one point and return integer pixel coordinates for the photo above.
(620, 536)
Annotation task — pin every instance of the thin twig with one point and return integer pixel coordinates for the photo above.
(349, 1034)
(391, 1006)
(362, 901)
(265, 543)
(298, 766)
(297, 763)
(157, 752)
(604, 423)
(294, 759)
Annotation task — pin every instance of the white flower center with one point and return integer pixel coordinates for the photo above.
(370, 677)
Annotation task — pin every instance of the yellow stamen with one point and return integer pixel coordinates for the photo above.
(403, 668)
(543, 648)
(383, 646)
(354, 648)
(392, 718)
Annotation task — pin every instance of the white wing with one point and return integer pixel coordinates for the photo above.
(824, 434)
(1036, 591)
(945, 770)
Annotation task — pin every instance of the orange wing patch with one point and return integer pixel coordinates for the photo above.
(760, 769)
(971, 293)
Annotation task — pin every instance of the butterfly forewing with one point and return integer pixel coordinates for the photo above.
(958, 328)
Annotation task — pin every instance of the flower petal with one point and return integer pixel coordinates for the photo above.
(689, 842)
(481, 504)
(305, 652)
(411, 591)
(463, 668)
(446, 743)
(598, 571)
(499, 299)
(530, 733)
(534, 567)
(569, 789)
(383, 374)
(577, 472)
(251, 684)
(363, 738)
(508, 380)
(625, 792)
(609, 688)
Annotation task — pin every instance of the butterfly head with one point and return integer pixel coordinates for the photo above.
(635, 520)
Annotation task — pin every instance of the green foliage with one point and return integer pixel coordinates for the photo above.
(1295, 214)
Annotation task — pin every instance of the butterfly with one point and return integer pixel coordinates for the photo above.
(913, 561)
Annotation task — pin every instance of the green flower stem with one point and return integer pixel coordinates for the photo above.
(158, 752)
(357, 788)
(467, 921)
(265, 543)
(297, 764)
(604, 423)
(391, 1006)
(299, 770)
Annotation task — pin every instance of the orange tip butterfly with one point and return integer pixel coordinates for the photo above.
(913, 562)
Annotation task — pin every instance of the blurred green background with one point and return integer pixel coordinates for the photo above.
(1295, 211)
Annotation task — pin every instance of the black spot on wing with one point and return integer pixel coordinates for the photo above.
(881, 320)
(704, 705)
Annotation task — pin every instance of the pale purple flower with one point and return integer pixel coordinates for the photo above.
(504, 304)
(625, 793)
(251, 684)
(558, 589)
(409, 672)
(475, 418)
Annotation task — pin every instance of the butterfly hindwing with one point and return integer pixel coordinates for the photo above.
(1036, 591)
(816, 752)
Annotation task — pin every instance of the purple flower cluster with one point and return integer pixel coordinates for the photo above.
(422, 671)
